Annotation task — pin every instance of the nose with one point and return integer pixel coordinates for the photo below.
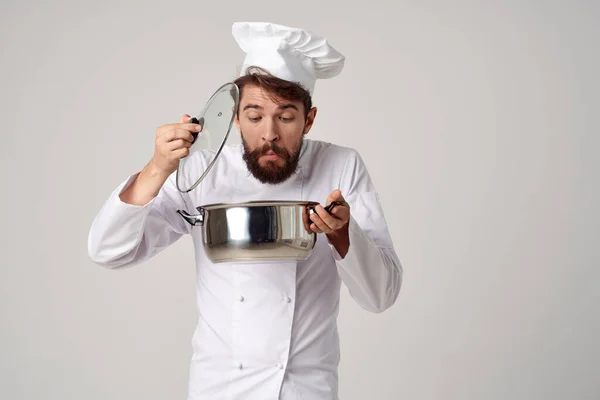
(270, 133)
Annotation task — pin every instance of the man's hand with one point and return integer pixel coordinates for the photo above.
(173, 143)
(333, 224)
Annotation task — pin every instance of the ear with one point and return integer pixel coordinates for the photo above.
(236, 121)
(310, 119)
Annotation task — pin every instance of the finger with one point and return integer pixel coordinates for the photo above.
(336, 195)
(341, 213)
(329, 219)
(166, 131)
(177, 144)
(315, 228)
(320, 223)
(188, 127)
(177, 133)
(180, 153)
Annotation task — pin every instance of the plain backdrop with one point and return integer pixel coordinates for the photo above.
(479, 124)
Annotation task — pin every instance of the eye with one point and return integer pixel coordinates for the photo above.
(287, 119)
(254, 119)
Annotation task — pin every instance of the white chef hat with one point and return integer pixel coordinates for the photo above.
(293, 54)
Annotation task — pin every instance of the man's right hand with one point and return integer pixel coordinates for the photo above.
(173, 143)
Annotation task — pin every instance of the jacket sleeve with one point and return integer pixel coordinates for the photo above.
(371, 269)
(123, 235)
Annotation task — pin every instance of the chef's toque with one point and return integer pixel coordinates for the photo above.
(292, 54)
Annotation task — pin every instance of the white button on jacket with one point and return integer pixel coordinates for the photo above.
(260, 347)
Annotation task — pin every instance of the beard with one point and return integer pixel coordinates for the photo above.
(271, 173)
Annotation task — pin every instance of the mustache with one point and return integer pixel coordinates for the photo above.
(267, 147)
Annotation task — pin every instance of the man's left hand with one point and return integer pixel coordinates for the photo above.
(333, 224)
(324, 222)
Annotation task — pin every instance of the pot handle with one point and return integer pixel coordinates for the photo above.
(193, 219)
(330, 206)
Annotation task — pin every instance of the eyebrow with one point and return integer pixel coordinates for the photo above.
(281, 107)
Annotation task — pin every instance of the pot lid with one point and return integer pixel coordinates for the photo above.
(216, 119)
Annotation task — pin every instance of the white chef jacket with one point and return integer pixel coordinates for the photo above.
(266, 330)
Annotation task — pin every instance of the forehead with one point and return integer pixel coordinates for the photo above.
(252, 94)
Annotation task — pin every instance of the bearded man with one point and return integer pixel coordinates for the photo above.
(266, 329)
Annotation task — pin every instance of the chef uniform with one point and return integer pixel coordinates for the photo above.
(266, 330)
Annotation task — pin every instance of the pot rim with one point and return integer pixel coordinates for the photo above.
(259, 203)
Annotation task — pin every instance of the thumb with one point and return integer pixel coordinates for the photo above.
(336, 195)
(185, 118)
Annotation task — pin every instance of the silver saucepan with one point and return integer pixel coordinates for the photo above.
(256, 231)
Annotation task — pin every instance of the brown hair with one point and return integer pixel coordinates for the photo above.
(291, 91)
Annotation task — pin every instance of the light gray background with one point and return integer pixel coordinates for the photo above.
(479, 124)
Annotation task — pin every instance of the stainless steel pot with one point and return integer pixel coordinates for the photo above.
(256, 231)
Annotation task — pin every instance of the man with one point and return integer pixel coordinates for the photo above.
(265, 330)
